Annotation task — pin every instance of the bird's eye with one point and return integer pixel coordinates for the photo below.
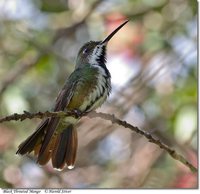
(85, 51)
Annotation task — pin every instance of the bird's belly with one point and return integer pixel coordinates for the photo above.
(95, 99)
(90, 96)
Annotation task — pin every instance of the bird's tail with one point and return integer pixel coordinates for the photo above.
(61, 148)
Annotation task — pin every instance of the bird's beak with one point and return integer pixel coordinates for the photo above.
(105, 41)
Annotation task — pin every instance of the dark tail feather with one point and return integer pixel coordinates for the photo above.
(52, 125)
(34, 140)
(65, 148)
(61, 148)
(46, 155)
(71, 152)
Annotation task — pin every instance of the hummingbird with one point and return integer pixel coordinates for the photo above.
(86, 89)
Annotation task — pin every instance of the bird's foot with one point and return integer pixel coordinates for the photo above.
(77, 113)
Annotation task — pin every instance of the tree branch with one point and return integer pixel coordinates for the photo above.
(150, 138)
(105, 116)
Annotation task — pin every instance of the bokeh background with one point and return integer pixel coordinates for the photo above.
(153, 63)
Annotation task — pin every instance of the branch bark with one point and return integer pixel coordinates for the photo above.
(105, 116)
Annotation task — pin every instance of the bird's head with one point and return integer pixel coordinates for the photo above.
(94, 52)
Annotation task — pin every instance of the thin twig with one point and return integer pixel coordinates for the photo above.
(40, 115)
(105, 116)
(151, 139)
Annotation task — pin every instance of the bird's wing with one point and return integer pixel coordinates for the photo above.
(62, 101)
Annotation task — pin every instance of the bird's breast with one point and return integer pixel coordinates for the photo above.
(99, 94)
(91, 91)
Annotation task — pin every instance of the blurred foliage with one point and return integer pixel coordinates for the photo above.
(153, 63)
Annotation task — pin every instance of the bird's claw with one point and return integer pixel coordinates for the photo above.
(77, 113)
